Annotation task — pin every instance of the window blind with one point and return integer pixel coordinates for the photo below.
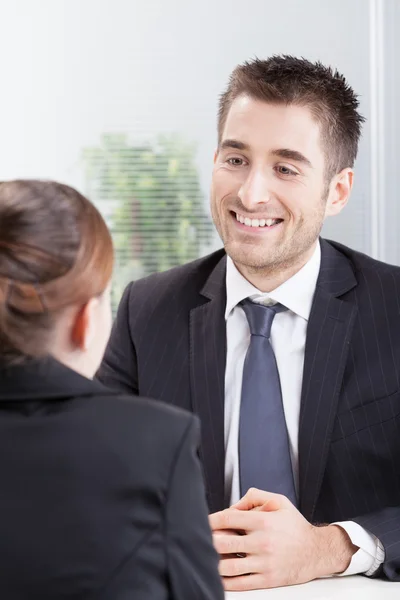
(150, 195)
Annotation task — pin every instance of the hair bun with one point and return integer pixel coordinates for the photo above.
(24, 297)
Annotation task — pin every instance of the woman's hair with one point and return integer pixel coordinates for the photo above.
(55, 251)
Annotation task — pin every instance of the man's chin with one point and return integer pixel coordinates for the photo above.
(250, 259)
(251, 262)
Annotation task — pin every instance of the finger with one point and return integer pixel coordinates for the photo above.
(236, 519)
(233, 567)
(244, 582)
(273, 504)
(227, 544)
(255, 498)
(225, 532)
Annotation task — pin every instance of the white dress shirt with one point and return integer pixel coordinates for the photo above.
(288, 338)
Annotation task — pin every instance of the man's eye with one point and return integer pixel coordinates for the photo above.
(235, 162)
(286, 171)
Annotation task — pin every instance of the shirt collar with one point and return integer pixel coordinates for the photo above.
(296, 293)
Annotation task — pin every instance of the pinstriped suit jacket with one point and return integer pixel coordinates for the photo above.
(169, 343)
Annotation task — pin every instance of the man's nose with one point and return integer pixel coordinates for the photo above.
(255, 190)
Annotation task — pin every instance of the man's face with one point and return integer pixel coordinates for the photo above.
(268, 193)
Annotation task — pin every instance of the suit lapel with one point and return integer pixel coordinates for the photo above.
(328, 336)
(207, 372)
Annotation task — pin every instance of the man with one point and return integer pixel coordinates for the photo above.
(286, 345)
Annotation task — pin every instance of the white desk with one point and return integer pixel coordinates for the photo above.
(340, 588)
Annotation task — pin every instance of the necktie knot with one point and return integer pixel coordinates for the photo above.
(260, 317)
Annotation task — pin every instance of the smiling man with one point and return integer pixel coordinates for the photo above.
(286, 345)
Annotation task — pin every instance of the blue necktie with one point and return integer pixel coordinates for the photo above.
(264, 455)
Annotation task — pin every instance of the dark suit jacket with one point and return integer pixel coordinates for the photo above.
(169, 342)
(101, 495)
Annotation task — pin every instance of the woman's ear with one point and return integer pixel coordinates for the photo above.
(82, 331)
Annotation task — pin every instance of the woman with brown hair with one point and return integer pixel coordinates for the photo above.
(101, 494)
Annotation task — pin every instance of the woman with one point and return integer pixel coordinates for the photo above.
(101, 495)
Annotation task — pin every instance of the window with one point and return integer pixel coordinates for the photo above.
(152, 195)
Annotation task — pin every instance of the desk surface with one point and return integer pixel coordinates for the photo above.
(339, 588)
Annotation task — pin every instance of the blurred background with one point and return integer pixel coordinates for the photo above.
(119, 98)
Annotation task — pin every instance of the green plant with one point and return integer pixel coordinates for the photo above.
(151, 197)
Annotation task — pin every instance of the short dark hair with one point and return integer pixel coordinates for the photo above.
(55, 251)
(289, 80)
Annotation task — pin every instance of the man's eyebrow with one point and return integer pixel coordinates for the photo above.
(292, 155)
(235, 144)
(285, 153)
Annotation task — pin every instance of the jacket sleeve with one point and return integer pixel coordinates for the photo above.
(118, 370)
(192, 561)
(385, 525)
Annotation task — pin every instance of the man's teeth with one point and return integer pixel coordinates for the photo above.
(256, 222)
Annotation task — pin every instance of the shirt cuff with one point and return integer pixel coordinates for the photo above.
(370, 555)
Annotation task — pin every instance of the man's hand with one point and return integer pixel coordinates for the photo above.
(279, 546)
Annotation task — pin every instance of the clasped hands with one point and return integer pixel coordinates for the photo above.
(265, 542)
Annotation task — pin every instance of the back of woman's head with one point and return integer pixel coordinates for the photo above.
(55, 252)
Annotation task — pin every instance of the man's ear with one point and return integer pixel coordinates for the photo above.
(83, 325)
(339, 192)
(215, 155)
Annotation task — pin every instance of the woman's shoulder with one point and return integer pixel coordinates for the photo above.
(139, 407)
(134, 421)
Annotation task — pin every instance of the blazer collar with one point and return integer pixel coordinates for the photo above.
(207, 368)
(336, 276)
(329, 334)
(215, 286)
(45, 379)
